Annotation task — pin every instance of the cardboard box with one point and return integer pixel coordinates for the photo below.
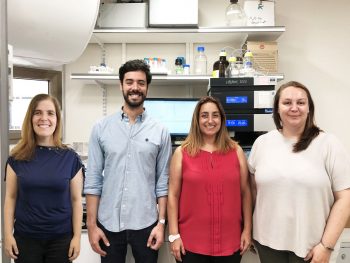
(265, 56)
(260, 13)
(123, 15)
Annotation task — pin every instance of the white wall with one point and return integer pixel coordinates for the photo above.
(314, 51)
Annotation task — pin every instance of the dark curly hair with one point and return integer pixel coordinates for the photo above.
(135, 65)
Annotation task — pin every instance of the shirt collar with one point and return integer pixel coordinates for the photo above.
(124, 116)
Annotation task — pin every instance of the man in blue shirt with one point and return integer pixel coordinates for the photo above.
(126, 184)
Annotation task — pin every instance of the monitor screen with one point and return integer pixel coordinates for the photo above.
(175, 114)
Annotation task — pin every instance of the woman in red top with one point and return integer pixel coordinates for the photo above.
(209, 200)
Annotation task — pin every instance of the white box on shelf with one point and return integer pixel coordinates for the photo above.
(260, 13)
(173, 13)
(123, 15)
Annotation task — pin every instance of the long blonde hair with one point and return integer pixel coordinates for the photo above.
(25, 148)
(194, 140)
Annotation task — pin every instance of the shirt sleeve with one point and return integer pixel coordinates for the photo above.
(163, 163)
(10, 162)
(252, 157)
(94, 174)
(337, 164)
(77, 164)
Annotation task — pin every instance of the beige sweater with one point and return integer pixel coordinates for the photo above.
(295, 190)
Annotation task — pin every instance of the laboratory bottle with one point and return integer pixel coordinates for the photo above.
(219, 67)
(179, 70)
(232, 70)
(239, 65)
(248, 64)
(186, 69)
(235, 15)
(200, 62)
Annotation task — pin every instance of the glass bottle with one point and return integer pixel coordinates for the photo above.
(235, 15)
(219, 67)
(232, 70)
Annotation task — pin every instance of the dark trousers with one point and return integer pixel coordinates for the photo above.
(191, 257)
(137, 239)
(269, 255)
(43, 251)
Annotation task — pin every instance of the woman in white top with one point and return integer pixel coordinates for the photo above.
(301, 181)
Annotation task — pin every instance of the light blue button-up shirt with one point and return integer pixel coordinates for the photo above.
(128, 167)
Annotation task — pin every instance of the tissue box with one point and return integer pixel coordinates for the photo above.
(260, 13)
(123, 15)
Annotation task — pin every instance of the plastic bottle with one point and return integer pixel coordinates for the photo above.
(219, 67)
(200, 62)
(186, 68)
(232, 70)
(248, 64)
(235, 15)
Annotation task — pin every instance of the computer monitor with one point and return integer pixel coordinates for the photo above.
(175, 114)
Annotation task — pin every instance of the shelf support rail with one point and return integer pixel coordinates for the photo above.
(103, 50)
(104, 97)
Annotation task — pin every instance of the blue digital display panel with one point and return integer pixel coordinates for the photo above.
(237, 123)
(236, 99)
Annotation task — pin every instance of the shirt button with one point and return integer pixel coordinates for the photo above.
(123, 206)
(126, 189)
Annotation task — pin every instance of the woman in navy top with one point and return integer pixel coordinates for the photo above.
(43, 208)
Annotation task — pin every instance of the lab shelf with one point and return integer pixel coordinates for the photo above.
(186, 35)
(164, 80)
(233, 35)
(113, 79)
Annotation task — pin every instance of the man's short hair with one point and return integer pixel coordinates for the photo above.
(135, 65)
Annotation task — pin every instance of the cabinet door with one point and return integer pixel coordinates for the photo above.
(87, 255)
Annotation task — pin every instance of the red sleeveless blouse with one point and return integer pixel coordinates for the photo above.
(210, 214)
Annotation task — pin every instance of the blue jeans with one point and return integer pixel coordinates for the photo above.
(43, 251)
(137, 239)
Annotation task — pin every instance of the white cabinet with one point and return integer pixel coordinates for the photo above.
(87, 255)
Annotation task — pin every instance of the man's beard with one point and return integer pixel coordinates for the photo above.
(133, 104)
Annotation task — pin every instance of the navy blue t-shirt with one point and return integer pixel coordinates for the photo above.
(43, 207)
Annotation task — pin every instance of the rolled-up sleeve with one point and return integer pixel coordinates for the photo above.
(94, 174)
(163, 163)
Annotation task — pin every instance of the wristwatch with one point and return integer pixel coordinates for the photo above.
(162, 221)
(172, 238)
